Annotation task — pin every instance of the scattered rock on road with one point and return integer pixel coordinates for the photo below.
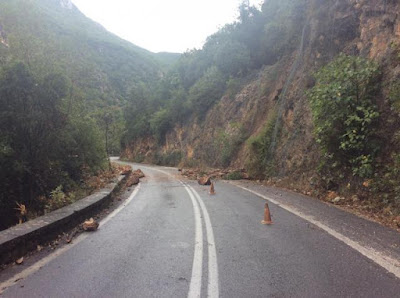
(90, 225)
(194, 173)
(126, 170)
(204, 180)
(138, 173)
(133, 180)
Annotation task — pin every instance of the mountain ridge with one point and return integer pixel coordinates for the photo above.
(61, 30)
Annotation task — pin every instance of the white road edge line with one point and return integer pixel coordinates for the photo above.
(212, 288)
(39, 264)
(388, 263)
(197, 267)
(116, 211)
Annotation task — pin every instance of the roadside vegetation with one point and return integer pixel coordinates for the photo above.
(346, 117)
(48, 146)
(64, 83)
(260, 162)
(74, 95)
(201, 77)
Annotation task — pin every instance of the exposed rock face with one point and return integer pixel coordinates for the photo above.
(355, 27)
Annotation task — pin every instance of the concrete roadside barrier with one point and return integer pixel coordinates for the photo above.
(20, 239)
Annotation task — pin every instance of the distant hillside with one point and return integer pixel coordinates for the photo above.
(168, 58)
(53, 35)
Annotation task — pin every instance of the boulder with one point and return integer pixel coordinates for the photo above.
(133, 180)
(138, 173)
(204, 180)
(90, 225)
(331, 195)
(337, 200)
(126, 170)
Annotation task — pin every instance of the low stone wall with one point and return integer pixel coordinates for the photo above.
(18, 240)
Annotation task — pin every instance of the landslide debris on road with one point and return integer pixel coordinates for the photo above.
(135, 177)
(205, 180)
(90, 225)
(205, 175)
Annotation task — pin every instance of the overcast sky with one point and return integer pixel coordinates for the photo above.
(162, 25)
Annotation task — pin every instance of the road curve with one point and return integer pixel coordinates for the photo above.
(175, 240)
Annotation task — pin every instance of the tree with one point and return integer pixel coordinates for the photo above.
(41, 146)
(160, 123)
(232, 58)
(31, 120)
(344, 113)
(206, 91)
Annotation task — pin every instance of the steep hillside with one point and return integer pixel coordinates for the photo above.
(63, 83)
(54, 35)
(264, 122)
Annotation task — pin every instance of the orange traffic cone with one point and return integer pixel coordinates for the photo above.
(212, 190)
(267, 216)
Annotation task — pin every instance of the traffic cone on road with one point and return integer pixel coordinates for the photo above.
(267, 216)
(212, 190)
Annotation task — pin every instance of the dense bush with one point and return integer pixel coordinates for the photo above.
(168, 159)
(206, 91)
(227, 144)
(394, 96)
(160, 123)
(43, 143)
(386, 183)
(345, 114)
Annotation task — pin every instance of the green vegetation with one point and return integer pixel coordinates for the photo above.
(201, 77)
(57, 200)
(394, 96)
(206, 91)
(102, 68)
(44, 143)
(345, 115)
(234, 176)
(260, 162)
(386, 184)
(71, 93)
(168, 159)
(227, 144)
(64, 85)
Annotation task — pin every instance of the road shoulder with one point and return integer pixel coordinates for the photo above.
(381, 241)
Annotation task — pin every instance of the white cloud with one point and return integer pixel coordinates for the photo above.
(162, 25)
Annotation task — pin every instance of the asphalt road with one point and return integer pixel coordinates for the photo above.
(173, 239)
